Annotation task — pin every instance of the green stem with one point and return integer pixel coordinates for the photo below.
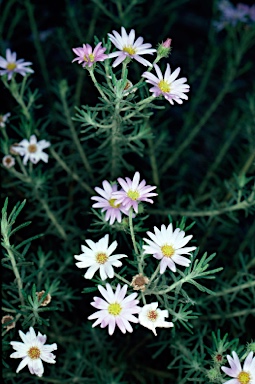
(154, 275)
(70, 172)
(214, 212)
(38, 45)
(75, 136)
(239, 288)
(132, 229)
(121, 278)
(244, 312)
(91, 71)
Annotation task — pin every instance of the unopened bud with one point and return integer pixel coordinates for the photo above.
(164, 48)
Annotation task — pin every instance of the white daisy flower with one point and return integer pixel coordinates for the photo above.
(8, 161)
(240, 376)
(151, 317)
(11, 65)
(32, 351)
(167, 85)
(128, 47)
(32, 150)
(116, 309)
(167, 245)
(3, 119)
(99, 256)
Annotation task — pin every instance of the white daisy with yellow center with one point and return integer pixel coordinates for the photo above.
(168, 246)
(32, 351)
(151, 317)
(32, 150)
(10, 65)
(99, 257)
(168, 85)
(245, 375)
(117, 309)
(128, 47)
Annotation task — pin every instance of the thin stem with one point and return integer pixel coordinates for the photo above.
(154, 274)
(214, 212)
(74, 135)
(97, 85)
(38, 45)
(132, 229)
(121, 278)
(70, 172)
(232, 289)
(243, 312)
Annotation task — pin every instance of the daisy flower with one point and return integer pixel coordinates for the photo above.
(133, 192)
(151, 317)
(128, 47)
(167, 85)
(3, 119)
(167, 245)
(87, 57)
(11, 65)
(108, 203)
(240, 376)
(116, 309)
(32, 351)
(8, 161)
(32, 150)
(99, 256)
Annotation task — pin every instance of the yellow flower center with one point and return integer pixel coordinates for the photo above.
(152, 315)
(101, 258)
(244, 377)
(34, 353)
(90, 57)
(129, 49)
(133, 194)
(167, 250)
(11, 66)
(114, 309)
(112, 203)
(32, 148)
(164, 86)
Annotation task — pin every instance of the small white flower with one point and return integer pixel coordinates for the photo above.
(32, 150)
(128, 47)
(3, 119)
(240, 376)
(151, 317)
(167, 85)
(32, 351)
(11, 65)
(167, 245)
(8, 161)
(99, 256)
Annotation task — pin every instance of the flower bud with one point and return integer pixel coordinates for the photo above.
(164, 48)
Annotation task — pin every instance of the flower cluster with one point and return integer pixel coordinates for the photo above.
(232, 15)
(169, 86)
(115, 202)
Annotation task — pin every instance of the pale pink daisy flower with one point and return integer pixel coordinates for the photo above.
(167, 85)
(133, 192)
(151, 317)
(116, 309)
(108, 203)
(4, 119)
(87, 57)
(11, 65)
(8, 161)
(240, 376)
(32, 150)
(32, 351)
(167, 245)
(128, 47)
(99, 256)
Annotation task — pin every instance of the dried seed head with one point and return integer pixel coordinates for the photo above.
(8, 319)
(139, 282)
(47, 299)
